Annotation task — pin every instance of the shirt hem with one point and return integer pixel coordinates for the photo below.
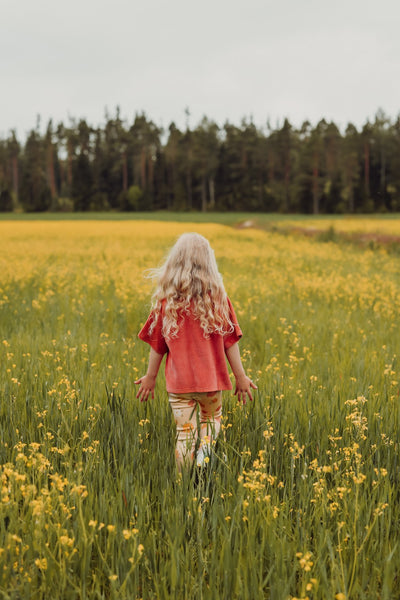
(198, 390)
(230, 343)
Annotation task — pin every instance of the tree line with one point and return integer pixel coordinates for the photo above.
(140, 167)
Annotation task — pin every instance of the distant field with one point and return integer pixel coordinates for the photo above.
(302, 495)
(385, 223)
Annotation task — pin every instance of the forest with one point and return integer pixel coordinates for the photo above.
(139, 166)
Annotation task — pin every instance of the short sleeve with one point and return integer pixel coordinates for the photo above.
(155, 339)
(236, 334)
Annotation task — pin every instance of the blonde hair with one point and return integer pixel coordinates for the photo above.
(189, 280)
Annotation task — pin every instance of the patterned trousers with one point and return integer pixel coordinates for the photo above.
(194, 414)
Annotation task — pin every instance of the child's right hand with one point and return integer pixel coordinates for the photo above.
(147, 384)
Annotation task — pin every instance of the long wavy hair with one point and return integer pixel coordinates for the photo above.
(189, 282)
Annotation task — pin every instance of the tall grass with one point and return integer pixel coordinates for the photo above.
(300, 498)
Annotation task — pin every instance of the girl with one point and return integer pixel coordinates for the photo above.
(193, 322)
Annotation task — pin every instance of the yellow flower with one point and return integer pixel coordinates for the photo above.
(360, 478)
(304, 560)
(66, 541)
(41, 563)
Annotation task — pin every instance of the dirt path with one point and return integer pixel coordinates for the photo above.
(369, 239)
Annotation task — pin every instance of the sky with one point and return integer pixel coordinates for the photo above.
(264, 60)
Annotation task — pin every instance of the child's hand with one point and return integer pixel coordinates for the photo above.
(147, 385)
(243, 388)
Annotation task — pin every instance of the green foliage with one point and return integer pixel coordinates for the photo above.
(82, 183)
(132, 199)
(312, 169)
(6, 201)
(35, 192)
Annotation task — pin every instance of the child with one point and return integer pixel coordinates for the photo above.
(193, 322)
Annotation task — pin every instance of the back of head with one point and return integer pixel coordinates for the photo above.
(189, 279)
(190, 269)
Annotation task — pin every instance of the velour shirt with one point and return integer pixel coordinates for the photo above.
(194, 363)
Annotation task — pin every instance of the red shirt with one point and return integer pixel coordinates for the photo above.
(194, 363)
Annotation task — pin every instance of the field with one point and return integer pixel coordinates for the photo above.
(301, 498)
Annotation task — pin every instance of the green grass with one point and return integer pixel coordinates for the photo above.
(301, 496)
(198, 217)
(227, 218)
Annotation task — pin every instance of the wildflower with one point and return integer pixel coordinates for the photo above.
(41, 563)
(312, 583)
(381, 471)
(380, 509)
(66, 541)
(269, 432)
(82, 491)
(304, 560)
(360, 478)
(37, 507)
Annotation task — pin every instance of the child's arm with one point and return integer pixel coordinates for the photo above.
(243, 383)
(148, 381)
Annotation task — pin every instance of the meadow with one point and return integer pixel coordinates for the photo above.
(301, 496)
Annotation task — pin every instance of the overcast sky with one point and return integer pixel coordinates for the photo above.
(226, 59)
